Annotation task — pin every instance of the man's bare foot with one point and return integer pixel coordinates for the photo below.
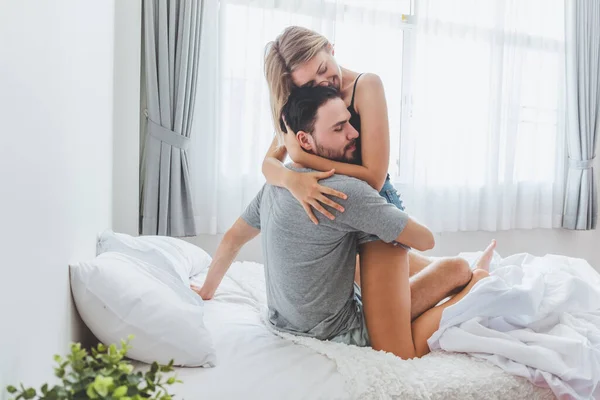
(486, 258)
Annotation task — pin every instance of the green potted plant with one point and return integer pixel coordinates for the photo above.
(104, 375)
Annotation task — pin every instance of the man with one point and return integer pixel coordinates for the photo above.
(309, 269)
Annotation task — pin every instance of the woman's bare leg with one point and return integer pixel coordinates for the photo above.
(438, 280)
(443, 276)
(426, 325)
(391, 299)
(416, 263)
(387, 298)
(429, 286)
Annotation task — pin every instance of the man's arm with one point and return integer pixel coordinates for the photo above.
(368, 212)
(233, 240)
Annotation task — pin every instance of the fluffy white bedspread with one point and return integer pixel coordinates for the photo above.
(376, 375)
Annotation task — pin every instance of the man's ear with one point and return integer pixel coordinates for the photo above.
(306, 141)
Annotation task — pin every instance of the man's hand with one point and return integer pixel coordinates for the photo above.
(233, 240)
(206, 292)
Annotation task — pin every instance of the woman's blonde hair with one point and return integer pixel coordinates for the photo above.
(293, 47)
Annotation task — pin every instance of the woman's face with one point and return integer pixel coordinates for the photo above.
(321, 70)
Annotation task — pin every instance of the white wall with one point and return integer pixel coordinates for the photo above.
(128, 31)
(537, 242)
(56, 113)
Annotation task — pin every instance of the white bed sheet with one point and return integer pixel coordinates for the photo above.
(254, 363)
(536, 317)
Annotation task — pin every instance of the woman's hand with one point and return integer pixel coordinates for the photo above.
(305, 187)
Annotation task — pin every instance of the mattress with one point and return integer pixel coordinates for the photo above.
(254, 362)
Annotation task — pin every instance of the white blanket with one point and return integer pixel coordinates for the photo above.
(535, 317)
(368, 374)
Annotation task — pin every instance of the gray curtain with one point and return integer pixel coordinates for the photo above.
(172, 46)
(582, 26)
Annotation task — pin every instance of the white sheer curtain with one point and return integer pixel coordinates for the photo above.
(486, 145)
(475, 99)
(232, 123)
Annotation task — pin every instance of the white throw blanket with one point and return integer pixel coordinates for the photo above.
(377, 375)
(535, 317)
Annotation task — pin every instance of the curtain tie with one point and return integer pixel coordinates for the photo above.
(168, 136)
(581, 164)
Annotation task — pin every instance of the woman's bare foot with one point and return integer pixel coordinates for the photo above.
(486, 258)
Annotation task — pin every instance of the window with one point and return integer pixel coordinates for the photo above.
(475, 92)
(484, 148)
(368, 37)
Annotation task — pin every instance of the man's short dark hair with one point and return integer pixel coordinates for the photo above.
(300, 111)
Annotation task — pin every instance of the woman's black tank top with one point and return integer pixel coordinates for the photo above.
(355, 122)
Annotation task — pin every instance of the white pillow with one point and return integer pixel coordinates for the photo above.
(174, 255)
(118, 295)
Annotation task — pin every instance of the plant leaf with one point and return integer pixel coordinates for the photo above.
(120, 392)
(91, 393)
(154, 367)
(29, 394)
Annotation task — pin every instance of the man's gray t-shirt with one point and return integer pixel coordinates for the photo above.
(309, 269)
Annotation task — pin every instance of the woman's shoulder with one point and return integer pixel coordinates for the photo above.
(369, 78)
(369, 88)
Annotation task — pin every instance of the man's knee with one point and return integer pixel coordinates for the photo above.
(457, 269)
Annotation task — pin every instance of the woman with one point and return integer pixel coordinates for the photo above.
(300, 57)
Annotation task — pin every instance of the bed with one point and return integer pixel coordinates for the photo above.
(256, 363)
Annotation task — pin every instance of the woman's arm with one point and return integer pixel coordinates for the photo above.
(272, 167)
(304, 186)
(356, 171)
(417, 236)
(375, 137)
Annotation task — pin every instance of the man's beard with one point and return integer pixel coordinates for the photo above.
(337, 155)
